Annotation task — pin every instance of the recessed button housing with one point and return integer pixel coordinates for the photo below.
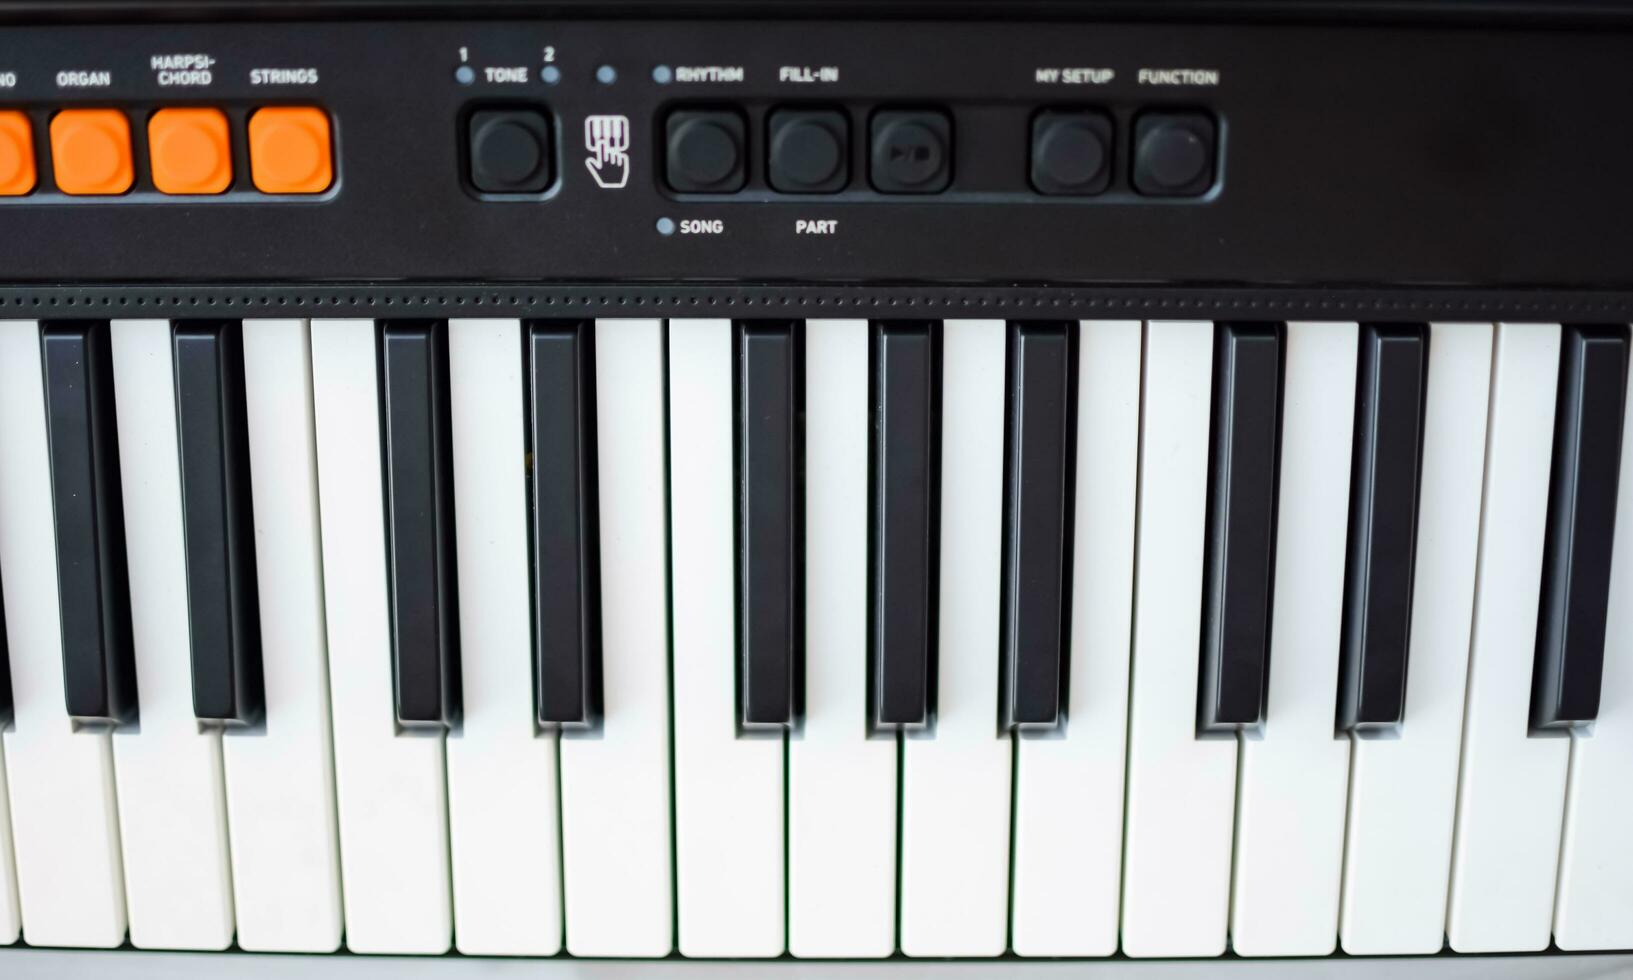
(510, 151)
(912, 151)
(16, 154)
(1071, 152)
(1174, 154)
(809, 151)
(705, 151)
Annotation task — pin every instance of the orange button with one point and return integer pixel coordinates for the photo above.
(190, 150)
(90, 151)
(16, 154)
(289, 150)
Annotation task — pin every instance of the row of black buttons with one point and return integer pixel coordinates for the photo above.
(1073, 150)
(910, 151)
(808, 151)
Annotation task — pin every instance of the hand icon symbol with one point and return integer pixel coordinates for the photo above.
(613, 173)
(607, 139)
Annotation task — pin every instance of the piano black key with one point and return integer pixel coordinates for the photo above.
(420, 523)
(566, 590)
(1037, 478)
(1581, 526)
(93, 584)
(223, 606)
(1381, 552)
(5, 671)
(770, 523)
(1238, 569)
(903, 535)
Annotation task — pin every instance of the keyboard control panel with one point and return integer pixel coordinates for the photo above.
(778, 151)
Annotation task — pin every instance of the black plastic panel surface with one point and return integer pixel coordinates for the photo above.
(626, 299)
(1382, 155)
(1486, 12)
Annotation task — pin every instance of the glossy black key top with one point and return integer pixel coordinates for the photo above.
(93, 583)
(1037, 479)
(223, 607)
(770, 523)
(1581, 527)
(566, 590)
(420, 522)
(1390, 389)
(5, 671)
(1241, 537)
(903, 537)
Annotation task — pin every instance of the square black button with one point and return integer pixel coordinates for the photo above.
(912, 151)
(1174, 154)
(509, 151)
(704, 151)
(809, 151)
(1071, 152)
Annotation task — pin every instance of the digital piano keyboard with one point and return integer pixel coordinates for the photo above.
(732, 481)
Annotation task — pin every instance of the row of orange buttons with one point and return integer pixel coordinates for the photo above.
(190, 151)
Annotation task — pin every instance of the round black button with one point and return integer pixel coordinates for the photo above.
(1071, 153)
(807, 152)
(1173, 155)
(705, 152)
(507, 153)
(510, 151)
(911, 152)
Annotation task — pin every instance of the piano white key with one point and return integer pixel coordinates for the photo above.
(1069, 786)
(390, 787)
(1511, 792)
(615, 803)
(280, 782)
(841, 782)
(1594, 907)
(1181, 788)
(172, 808)
(11, 910)
(502, 812)
(728, 789)
(1295, 770)
(1403, 785)
(65, 821)
(956, 777)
